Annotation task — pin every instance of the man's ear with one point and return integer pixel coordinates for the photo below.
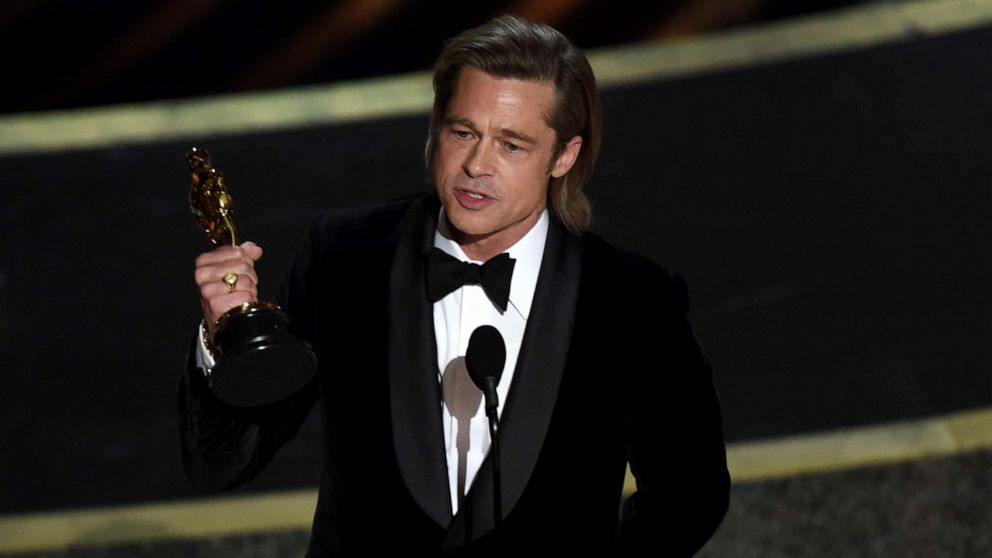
(567, 157)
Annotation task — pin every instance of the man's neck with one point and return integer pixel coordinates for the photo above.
(482, 248)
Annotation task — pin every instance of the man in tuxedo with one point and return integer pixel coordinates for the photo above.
(602, 367)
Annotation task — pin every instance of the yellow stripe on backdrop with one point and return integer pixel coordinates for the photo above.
(833, 31)
(287, 511)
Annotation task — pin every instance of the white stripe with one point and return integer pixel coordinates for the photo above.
(410, 94)
(749, 461)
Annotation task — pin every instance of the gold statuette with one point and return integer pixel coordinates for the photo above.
(209, 199)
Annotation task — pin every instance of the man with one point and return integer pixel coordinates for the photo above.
(602, 366)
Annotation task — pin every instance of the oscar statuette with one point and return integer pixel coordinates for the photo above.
(257, 360)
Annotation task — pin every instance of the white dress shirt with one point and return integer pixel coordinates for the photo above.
(455, 318)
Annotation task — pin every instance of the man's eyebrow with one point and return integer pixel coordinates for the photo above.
(460, 121)
(503, 132)
(519, 136)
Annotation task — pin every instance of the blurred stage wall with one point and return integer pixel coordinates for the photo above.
(830, 212)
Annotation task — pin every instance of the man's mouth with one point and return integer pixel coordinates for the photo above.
(474, 195)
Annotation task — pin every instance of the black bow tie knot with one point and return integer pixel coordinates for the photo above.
(446, 273)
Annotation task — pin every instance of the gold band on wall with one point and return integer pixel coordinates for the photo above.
(837, 450)
(411, 94)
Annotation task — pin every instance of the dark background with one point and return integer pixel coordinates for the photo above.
(66, 53)
(830, 214)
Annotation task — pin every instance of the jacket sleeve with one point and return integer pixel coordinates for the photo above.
(225, 446)
(672, 432)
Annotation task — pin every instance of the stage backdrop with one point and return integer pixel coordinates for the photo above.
(831, 216)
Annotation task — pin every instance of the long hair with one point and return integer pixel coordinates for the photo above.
(509, 47)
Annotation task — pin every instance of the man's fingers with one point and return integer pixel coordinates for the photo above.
(213, 289)
(216, 296)
(219, 254)
(214, 273)
(249, 251)
(253, 250)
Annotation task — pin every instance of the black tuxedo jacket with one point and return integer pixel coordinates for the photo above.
(609, 372)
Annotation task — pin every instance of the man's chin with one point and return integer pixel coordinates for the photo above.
(467, 229)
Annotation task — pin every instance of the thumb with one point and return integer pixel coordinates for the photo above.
(253, 250)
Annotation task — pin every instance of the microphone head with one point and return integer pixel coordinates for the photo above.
(485, 356)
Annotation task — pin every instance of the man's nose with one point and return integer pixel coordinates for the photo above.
(479, 160)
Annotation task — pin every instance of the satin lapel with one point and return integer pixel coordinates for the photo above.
(415, 401)
(536, 379)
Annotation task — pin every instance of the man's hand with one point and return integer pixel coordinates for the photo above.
(215, 296)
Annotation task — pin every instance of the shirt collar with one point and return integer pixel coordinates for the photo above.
(528, 253)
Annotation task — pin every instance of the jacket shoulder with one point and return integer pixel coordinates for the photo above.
(609, 257)
(350, 243)
(360, 228)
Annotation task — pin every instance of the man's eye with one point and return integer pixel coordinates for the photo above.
(461, 134)
(512, 147)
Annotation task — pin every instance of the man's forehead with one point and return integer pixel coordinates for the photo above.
(468, 72)
(507, 95)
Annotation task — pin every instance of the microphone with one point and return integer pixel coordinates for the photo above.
(484, 358)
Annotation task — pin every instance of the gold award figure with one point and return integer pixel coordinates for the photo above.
(209, 200)
(258, 361)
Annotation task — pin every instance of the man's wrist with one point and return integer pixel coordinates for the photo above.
(205, 351)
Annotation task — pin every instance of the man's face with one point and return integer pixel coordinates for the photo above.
(491, 168)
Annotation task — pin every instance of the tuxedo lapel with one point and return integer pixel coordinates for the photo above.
(534, 391)
(414, 391)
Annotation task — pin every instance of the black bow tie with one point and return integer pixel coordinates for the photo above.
(446, 273)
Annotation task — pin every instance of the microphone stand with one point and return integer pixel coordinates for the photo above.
(484, 358)
(492, 402)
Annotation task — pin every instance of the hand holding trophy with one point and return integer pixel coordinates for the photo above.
(257, 360)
